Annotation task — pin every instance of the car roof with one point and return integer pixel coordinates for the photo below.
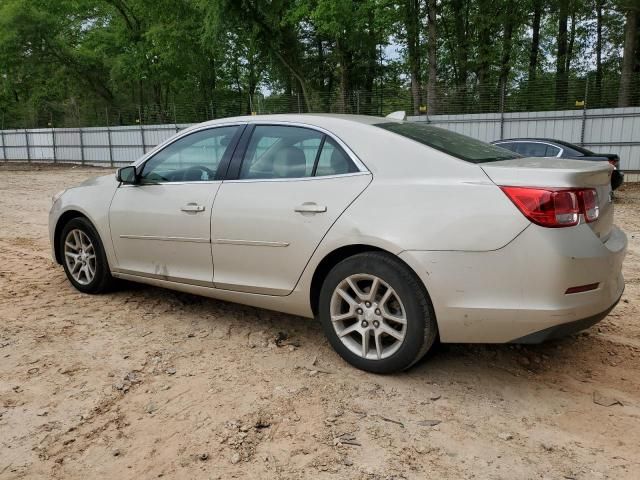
(315, 119)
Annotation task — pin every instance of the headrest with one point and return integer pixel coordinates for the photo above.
(290, 162)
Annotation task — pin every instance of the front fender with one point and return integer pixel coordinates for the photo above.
(90, 199)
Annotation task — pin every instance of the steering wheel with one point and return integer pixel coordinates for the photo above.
(187, 173)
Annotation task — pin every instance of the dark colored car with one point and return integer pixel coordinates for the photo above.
(542, 147)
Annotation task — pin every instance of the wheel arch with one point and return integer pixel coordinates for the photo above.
(65, 218)
(336, 256)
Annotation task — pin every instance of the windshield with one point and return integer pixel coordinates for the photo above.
(457, 145)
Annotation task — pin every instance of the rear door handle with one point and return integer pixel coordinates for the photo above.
(192, 208)
(310, 207)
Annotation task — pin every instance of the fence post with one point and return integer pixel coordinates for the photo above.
(584, 112)
(175, 117)
(144, 146)
(26, 142)
(81, 146)
(4, 149)
(502, 98)
(110, 146)
(53, 143)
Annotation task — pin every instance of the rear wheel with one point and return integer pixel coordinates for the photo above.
(376, 313)
(84, 260)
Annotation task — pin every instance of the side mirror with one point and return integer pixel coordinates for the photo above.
(127, 175)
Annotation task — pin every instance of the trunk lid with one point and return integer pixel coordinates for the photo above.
(559, 173)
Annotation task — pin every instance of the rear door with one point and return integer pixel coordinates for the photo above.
(288, 185)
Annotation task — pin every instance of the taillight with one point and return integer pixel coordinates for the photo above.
(613, 162)
(589, 204)
(554, 207)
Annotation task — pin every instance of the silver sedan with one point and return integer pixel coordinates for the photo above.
(394, 234)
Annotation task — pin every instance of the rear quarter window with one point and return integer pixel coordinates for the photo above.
(457, 145)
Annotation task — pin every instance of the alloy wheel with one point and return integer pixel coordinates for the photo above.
(80, 256)
(368, 316)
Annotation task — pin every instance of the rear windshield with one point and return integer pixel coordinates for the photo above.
(459, 146)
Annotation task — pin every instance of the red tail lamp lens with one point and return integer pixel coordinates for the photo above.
(589, 201)
(555, 208)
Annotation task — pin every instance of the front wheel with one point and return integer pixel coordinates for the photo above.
(376, 313)
(84, 260)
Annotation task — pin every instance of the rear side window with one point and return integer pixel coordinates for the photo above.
(333, 160)
(457, 145)
(552, 151)
(278, 151)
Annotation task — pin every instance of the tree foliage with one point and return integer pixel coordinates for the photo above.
(124, 61)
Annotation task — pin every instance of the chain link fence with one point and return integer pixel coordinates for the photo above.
(544, 94)
(116, 136)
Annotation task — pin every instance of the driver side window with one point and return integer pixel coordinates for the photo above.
(193, 158)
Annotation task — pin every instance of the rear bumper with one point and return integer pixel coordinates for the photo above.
(564, 329)
(617, 179)
(517, 293)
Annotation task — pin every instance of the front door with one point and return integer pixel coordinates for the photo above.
(292, 185)
(161, 227)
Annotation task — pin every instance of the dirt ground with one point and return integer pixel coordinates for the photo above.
(147, 383)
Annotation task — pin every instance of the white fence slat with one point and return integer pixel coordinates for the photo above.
(610, 130)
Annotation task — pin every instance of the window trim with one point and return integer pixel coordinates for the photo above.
(224, 162)
(233, 172)
(318, 155)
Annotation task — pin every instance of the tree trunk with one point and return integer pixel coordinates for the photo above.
(572, 40)
(534, 53)
(628, 58)
(535, 40)
(485, 45)
(507, 41)
(345, 76)
(412, 24)
(561, 56)
(298, 76)
(372, 66)
(598, 90)
(432, 37)
(462, 48)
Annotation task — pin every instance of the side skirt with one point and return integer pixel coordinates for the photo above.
(295, 303)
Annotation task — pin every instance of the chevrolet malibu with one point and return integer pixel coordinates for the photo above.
(394, 234)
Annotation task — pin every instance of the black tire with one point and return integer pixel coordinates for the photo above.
(102, 280)
(421, 326)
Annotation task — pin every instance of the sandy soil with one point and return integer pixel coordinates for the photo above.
(148, 383)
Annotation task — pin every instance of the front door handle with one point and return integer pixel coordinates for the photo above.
(192, 208)
(310, 207)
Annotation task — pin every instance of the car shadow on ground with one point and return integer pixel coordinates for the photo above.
(517, 359)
